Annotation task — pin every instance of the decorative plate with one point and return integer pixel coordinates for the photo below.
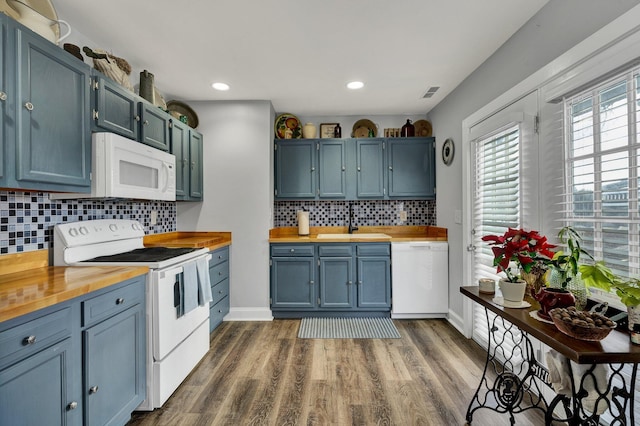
(286, 122)
(183, 109)
(423, 128)
(362, 128)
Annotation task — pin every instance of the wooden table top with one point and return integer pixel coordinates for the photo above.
(614, 348)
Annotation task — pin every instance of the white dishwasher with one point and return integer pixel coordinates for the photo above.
(420, 279)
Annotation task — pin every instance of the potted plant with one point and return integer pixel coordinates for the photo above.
(525, 249)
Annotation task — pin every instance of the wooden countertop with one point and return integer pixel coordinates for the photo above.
(210, 240)
(27, 291)
(614, 348)
(397, 234)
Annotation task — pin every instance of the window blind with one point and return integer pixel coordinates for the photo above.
(496, 187)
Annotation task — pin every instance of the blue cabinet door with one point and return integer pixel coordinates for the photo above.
(114, 361)
(411, 168)
(195, 165)
(370, 168)
(53, 149)
(115, 108)
(293, 282)
(295, 169)
(5, 89)
(180, 148)
(332, 168)
(336, 282)
(154, 126)
(39, 390)
(374, 282)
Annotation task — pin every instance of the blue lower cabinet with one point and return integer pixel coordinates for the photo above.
(219, 277)
(39, 389)
(80, 362)
(352, 279)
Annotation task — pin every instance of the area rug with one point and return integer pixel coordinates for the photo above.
(348, 328)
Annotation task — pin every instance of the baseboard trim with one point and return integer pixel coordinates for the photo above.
(456, 321)
(249, 314)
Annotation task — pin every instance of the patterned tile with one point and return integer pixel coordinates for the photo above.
(27, 218)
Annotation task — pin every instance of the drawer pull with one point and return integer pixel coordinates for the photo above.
(292, 250)
(119, 301)
(219, 256)
(93, 389)
(3, 96)
(29, 340)
(220, 291)
(72, 405)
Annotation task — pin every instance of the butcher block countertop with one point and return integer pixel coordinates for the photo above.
(27, 291)
(394, 233)
(210, 240)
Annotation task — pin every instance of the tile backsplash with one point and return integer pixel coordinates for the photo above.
(365, 213)
(27, 218)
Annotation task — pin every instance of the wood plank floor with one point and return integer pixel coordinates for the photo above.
(260, 373)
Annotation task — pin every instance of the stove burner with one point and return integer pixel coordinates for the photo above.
(147, 254)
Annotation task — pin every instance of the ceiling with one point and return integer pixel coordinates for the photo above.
(299, 54)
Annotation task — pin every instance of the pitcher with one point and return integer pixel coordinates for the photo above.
(37, 22)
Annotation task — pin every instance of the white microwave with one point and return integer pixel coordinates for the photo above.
(124, 168)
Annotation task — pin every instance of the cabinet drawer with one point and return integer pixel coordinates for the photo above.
(115, 301)
(292, 250)
(335, 250)
(219, 272)
(22, 340)
(220, 291)
(217, 313)
(374, 249)
(219, 256)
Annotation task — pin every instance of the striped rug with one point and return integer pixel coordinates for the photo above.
(347, 328)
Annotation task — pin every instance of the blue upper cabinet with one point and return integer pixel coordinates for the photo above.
(295, 168)
(52, 134)
(4, 88)
(195, 165)
(411, 168)
(115, 108)
(180, 148)
(370, 168)
(154, 130)
(332, 165)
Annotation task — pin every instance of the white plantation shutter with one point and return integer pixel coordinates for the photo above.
(602, 172)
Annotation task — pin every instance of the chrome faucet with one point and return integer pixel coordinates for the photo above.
(351, 226)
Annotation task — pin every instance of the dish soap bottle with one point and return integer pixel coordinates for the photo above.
(408, 130)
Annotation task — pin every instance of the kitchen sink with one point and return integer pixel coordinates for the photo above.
(351, 236)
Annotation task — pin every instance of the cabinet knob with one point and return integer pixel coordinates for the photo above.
(344, 168)
(311, 282)
(358, 168)
(313, 169)
(3, 96)
(349, 282)
(391, 168)
(145, 122)
(292, 250)
(137, 118)
(28, 106)
(93, 389)
(220, 291)
(119, 301)
(72, 405)
(29, 340)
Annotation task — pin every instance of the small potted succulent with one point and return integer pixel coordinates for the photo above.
(526, 249)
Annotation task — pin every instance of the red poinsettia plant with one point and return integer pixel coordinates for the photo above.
(524, 248)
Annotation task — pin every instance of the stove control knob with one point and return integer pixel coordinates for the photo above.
(113, 227)
(73, 232)
(84, 230)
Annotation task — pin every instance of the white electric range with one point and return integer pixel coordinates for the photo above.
(177, 335)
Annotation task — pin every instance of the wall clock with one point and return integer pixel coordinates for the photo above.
(448, 149)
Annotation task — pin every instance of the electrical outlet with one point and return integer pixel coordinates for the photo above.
(403, 215)
(154, 217)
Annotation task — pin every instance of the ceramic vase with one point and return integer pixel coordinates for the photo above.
(309, 131)
(551, 298)
(512, 293)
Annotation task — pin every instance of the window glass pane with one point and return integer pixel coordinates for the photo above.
(615, 184)
(613, 116)
(582, 128)
(583, 186)
(615, 238)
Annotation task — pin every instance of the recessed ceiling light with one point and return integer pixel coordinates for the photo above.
(220, 86)
(355, 85)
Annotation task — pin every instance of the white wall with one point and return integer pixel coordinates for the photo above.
(238, 188)
(557, 27)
